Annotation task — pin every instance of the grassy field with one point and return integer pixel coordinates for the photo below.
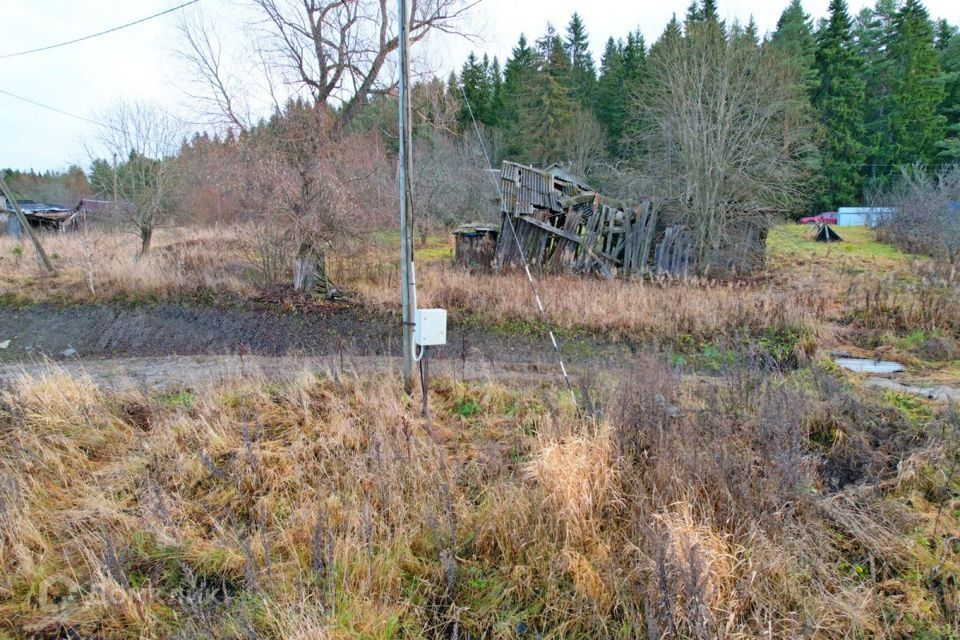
(729, 483)
(745, 507)
(793, 245)
(859, 295)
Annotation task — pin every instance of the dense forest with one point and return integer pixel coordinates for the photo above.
(882, 87)
(826, 114)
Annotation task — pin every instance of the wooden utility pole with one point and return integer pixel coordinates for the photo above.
(408, 292)
(41, 254)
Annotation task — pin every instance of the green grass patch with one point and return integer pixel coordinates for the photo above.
(791, 241)
(913, 408)
(467, 408)
(183, 399)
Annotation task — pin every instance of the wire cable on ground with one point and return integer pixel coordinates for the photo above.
(97, 35)
(523, 257)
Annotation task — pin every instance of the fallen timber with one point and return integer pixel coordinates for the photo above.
(562, 225)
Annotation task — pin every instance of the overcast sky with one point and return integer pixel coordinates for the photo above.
(140, 63)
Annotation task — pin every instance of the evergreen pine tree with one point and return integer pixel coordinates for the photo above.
(476, 89)
(945, 31)
(521, 66)
(520, 75)
(710, 11)
(546, 106)
(950, 63)
(671, 33)
(583, 72)
(839, 103)
(872, 32)
(794, 40)
(611, 103)
(704, 11)
(751, 32)
(916, 87)
(634, 60)
(495, 81)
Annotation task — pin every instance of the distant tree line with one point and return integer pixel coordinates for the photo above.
(882, 90)
(50, 187)
(727, 128)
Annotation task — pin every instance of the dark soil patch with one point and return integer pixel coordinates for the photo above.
(259, 328)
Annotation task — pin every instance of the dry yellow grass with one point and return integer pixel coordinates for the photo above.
(322, 508)
(827, 296)
(181, 263)
(634, 308)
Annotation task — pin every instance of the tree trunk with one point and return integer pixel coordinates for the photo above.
(310, 271)
(146, 235)
(304, 266)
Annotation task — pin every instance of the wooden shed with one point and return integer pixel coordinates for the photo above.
(476, 245)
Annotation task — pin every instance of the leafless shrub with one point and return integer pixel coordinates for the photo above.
(583, 146)
(451, 185)
(268, 250)
(926, 219)
(643, 407)
(930, 301)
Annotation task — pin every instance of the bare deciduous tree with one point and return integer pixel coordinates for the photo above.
(146, 138)
(307, 186)
(584, 146)
(335, 51)
(723, 136)
(926, 217)
(450, 184)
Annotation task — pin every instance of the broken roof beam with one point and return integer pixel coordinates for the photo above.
(592, 196)
(551, 229)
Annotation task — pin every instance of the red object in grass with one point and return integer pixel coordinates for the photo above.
(823, 218)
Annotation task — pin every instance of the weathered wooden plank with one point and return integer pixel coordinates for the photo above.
(583, 198)
(551, 229)
(628, 234)
(600, 264)
(611, 215)
(593, 229)
(650, 214)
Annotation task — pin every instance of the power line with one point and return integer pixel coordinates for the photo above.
(96, 35)
(523, 257)
(55, 110)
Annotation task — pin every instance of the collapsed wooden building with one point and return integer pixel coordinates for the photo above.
(561, 224)
(564, 225)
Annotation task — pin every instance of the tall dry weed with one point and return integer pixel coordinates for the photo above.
(324, 507)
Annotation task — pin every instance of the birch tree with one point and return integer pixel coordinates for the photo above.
(146, 139)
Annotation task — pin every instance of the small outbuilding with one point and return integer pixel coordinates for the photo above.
(862, 216)
(38, 214)
(475, 245)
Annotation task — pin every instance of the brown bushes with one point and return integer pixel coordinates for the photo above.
(929, 300)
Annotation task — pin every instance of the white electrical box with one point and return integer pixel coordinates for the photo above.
(430, 327)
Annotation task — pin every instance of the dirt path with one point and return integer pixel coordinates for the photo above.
(172, 372)
(168, 345)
